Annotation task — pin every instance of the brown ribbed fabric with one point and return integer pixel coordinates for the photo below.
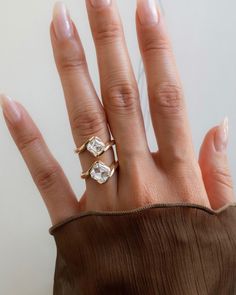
(161, 249)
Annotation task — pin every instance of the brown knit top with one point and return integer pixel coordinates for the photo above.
(158, 249)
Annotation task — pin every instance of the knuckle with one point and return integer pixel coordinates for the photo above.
(122, 100)
(72, 59)
(88, 123)
(221, 176)
(107, 33)
(154, 46)
(168, 99)
(47, 177)
(26, 141)
(179, 161)
(183, 167)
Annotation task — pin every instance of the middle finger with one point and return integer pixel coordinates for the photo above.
(118, 84)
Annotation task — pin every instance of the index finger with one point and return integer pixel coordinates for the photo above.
(167, 105)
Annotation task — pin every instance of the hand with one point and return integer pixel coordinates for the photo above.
(173, 174)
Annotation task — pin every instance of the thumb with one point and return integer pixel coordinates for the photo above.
(214, 165)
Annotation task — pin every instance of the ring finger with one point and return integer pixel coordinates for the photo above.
(86, 114)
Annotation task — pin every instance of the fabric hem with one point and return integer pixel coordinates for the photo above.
(137, 210)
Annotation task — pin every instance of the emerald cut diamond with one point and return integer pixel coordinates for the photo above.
(95, 146)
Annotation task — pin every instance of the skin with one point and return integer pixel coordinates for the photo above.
(173, 174)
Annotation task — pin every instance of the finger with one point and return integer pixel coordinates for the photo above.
(166, 99)
(45, 170)
(86, 114)
(215, 167)
(118, 85)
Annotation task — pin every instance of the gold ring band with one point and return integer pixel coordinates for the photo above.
(100, 172)
(95, 146)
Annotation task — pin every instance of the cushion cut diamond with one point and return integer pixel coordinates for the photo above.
(100, 172)
(95, 146)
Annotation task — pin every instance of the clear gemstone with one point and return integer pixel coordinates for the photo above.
(95, 146)
(100, 172)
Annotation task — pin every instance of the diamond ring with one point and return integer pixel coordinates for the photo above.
(95, 146)
(100, 171)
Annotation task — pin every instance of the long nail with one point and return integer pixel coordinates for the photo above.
(147, 11)
(100, 3)
(62, 21)
(222, 136)
(10, 109)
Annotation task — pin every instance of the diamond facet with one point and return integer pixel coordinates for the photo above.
(100, 172)
(95, 146)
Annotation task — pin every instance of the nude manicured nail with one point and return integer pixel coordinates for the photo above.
(100, 3)
(222, 136)
(62, 21)
(10, 109)
(147, 11)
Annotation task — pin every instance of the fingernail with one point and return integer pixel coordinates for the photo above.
(147, 11)
(62, 21)
(10, 109)
(100, 3)
(222, 136)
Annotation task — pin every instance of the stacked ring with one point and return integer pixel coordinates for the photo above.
(98, 171)
(95, 146)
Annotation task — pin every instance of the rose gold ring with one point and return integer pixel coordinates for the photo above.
(100, 172)
(95, 146)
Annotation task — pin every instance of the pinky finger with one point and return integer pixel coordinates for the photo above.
(46, 172)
